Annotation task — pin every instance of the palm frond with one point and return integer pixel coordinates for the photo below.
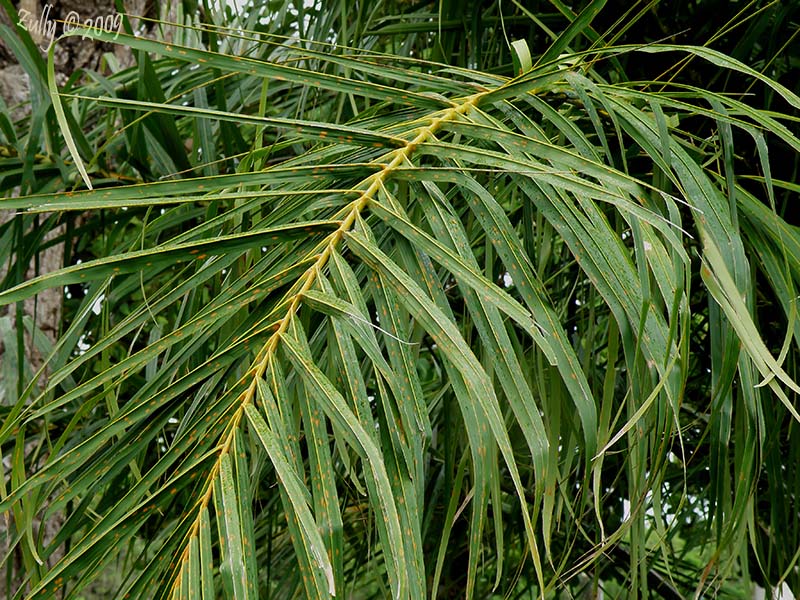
(427, 331)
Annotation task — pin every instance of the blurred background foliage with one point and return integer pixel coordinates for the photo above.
(701, 500)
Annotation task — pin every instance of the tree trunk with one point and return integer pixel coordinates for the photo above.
(70, 55)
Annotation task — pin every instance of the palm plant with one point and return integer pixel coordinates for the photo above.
(348, 318)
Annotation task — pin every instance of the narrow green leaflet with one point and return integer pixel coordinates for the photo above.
(159, 257)
(720, 283)
(296, 493)
(336, 409)
(227, 502)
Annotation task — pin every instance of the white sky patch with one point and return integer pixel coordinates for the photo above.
(82, 345)
(97, 307)
(782, 593)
